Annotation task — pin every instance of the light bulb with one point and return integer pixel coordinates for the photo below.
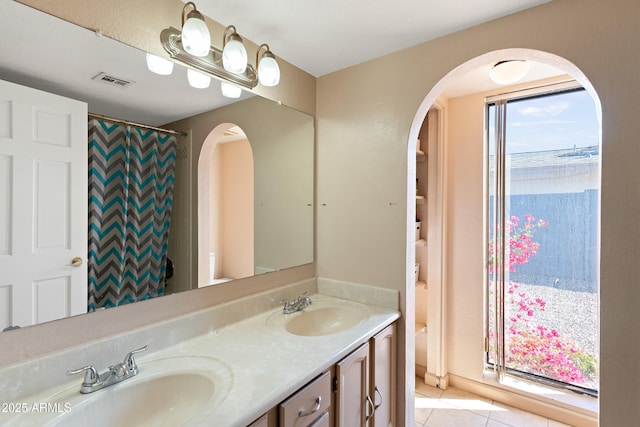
(197, 79)
(234, 55)
(159, 65)
(196, 39)
(229, 90)
(268, 70)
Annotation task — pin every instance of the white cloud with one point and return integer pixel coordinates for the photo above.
(541, 123)
(550, 110)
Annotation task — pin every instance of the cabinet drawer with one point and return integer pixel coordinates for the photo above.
(263, 421)
(323, 421)
(308, 404)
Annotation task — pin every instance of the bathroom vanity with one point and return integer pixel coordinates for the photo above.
(236, 364)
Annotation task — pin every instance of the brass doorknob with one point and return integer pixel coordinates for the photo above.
(76, 262)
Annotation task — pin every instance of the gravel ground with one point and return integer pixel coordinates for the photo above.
(573, 314)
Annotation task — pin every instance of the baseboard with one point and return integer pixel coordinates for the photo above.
(577, 417)
(431, 379)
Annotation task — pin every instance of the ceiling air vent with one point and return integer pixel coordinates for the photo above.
(112, 80)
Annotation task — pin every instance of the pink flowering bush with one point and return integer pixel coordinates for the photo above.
(532, 347)
(536, 349)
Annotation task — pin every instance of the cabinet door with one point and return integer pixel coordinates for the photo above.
(353, 405)
(382, 392)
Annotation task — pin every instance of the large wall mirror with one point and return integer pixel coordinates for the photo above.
(46, 53)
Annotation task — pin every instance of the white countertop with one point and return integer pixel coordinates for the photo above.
(259, 362)
(269, 364)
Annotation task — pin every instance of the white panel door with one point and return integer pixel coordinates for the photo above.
(43, 206)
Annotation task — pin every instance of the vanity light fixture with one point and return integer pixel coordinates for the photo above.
(234, 54)
(229, 64)
(159, 65)
(230, 90)
(510, 71)
(267, 66)
(195, 35)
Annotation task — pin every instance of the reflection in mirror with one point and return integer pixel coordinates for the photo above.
(282, 153)
(231, 208)
(282, 181)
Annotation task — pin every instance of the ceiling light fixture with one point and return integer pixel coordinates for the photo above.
(229, 64)
(195, 35)
(268, 70)
(508, 72)
(159, 65)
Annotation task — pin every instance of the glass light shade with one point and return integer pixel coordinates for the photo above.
(234, 55)
(268, 71)
(229, 90)
(197, 79)
(159, 65)
(195, 35)
(507, 72)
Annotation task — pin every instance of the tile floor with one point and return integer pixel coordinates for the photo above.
(455, 407)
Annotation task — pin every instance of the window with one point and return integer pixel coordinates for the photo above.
(542, 236)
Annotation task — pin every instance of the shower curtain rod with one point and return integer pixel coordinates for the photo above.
(126, 122)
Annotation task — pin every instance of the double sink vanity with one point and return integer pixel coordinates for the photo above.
(235, 364)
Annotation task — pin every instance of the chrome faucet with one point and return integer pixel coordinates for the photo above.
(291, 306)
(113, 375)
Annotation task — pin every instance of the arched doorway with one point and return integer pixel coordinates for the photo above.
(455, 291)
(225, 206)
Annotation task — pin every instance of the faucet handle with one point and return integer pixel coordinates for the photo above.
(303, 299)
(287, 305)
(130, 363)
(90, 376)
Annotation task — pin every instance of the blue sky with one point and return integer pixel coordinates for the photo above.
(551, 122)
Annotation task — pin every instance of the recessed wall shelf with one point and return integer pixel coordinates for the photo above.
(420, 200)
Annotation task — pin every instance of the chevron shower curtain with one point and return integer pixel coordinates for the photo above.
(131, 180)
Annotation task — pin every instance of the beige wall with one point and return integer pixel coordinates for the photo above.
(465, 284)
(280, 141)
(365, 115)
(237, 210)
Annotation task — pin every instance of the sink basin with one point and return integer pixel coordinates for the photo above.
(324, 321)
(323, 317)
(166, 400)
(166, 392)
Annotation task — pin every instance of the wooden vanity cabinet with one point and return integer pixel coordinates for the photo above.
(358, 392)
(365, 384)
